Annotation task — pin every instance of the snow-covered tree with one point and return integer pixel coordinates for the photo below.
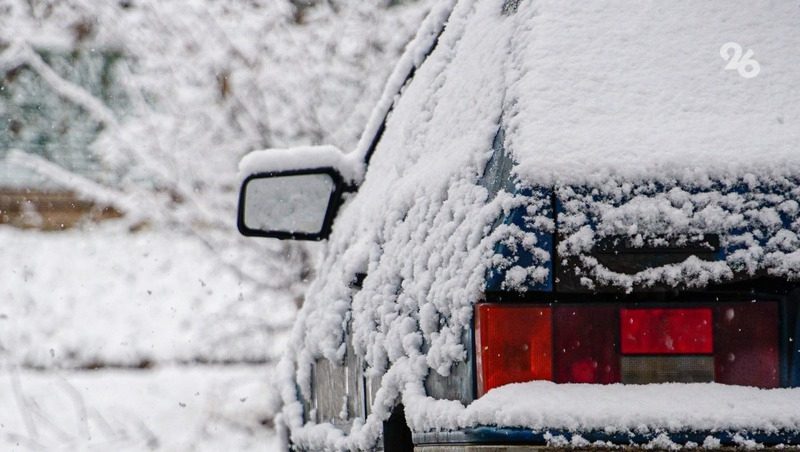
(196, 85)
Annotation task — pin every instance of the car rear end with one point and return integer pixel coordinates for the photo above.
(656, 335)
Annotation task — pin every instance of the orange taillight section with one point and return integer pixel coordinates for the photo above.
(513, 343)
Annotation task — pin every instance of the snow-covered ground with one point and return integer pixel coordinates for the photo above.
(173, 408)
(107, 296)
(80, 299)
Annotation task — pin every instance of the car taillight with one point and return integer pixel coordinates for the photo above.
(731, 343)
(586, 345)
(514, 344)
(746, 349)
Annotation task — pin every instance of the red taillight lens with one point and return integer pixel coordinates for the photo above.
(586, 344)
(747, 344)
(666, 332)
(514, 344)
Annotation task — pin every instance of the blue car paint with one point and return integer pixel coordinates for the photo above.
(794, 344)
(497, 176)
(520, 436)
(518, 255)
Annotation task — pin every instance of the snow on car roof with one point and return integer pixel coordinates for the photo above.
(592, 90)
(642, 90)
(585, 94)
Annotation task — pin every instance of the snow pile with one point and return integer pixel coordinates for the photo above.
(587, 96)
(172, 408)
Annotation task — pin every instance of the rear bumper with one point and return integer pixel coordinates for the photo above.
(496, 439)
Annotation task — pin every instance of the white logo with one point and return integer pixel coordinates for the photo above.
(744, 65)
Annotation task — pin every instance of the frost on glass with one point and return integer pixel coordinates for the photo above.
(294, 204)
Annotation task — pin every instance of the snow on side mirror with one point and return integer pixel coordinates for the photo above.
(295, 193)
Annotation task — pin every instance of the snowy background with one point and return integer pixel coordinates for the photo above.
(160, 329)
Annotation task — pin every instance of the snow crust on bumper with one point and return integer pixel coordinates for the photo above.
(645, 410)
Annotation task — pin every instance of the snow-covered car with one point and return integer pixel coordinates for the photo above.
(566, 224)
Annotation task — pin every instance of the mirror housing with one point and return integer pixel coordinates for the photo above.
(292, 204)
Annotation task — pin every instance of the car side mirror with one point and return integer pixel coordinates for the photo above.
(293, 204)
(295, 193)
